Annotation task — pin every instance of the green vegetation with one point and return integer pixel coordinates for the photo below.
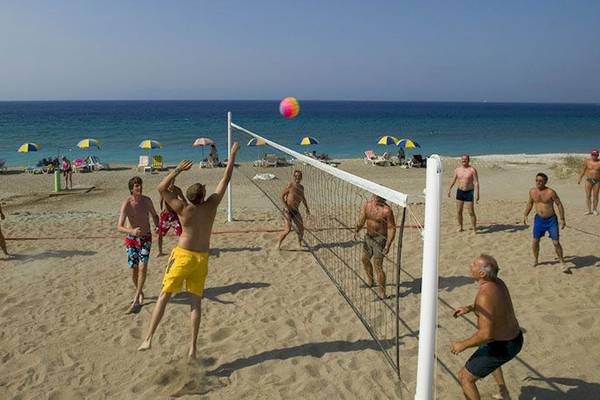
(569, 166)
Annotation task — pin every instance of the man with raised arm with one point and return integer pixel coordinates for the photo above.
(591, 171)
(468, 183)
(381, 231)
(189, 260)
(545, 219)
(137, 208)
(291, 197)
(498, 335)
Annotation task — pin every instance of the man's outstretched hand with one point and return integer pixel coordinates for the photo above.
(184, 165)
(235, 148)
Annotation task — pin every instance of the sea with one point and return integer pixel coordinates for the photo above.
(344, 129)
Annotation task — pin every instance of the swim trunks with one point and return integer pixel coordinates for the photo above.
(185, 265)
(373, 245)
(464, 195)
(593, 181)
(492, 355)
(543, 225)
(294, 214)
(167, 221)
(138, 249)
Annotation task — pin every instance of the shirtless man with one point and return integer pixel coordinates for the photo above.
(2, 240)
(189, 260)
(292, 196)
(545, 219)
(498, 335)
(137, 208)
(591, 171)
(168, 218)
(381, 231)
(468, 181)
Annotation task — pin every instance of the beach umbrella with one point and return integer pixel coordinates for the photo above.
(256, 142)
(407, 143)
(387, 140)
(150, 144)
(201, 142)
(307, 141)
(28, 147)
(89, 143)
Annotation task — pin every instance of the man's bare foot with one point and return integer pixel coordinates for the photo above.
(192, 354)
(587, 213)
(134, 309)
(502, 394)
(595, 212)
(566, 269)
(141, 298)
(160, 254)
(459, 229)
(535, 263)
(146, 345)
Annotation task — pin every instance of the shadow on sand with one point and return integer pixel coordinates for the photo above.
(510, 228)
(447, 283)
(303, 350)
(214, 292)
(574, 389)
(53, 254)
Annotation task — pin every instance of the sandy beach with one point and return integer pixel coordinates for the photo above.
(273, 325)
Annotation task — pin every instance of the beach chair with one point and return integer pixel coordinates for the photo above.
(268, 160)
(417, 161)
(94, 163)
(144, 164)
(3, 166)
(373, 159)
(80, 165)
(38, 168)
(157, 163)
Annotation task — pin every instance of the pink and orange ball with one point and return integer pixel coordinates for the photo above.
(289, 107)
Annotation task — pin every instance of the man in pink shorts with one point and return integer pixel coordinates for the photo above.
(168, 218)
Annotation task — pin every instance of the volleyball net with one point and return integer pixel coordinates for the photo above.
(367, 267)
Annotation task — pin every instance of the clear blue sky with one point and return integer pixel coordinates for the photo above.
(546, 51)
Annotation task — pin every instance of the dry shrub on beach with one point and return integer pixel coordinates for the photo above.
(569, 166)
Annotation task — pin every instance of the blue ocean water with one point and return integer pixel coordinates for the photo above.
(345, 129)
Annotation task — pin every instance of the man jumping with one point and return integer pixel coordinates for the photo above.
(189, 260)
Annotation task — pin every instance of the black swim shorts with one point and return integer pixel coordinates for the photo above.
(493, 355)
(464, 195)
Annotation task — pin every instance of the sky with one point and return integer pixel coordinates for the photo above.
(504, 51)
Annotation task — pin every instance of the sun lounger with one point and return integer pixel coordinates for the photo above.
(94, 163)
(373, 159)
(144, 164)
(157, 163)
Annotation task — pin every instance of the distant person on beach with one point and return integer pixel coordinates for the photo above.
(67, 170)
(291, 197)
(401, 156)
(213, 156)
(381, 231)
(137, 208)
(2, 240)
(189, 260)
(591, 171)
(545, 219)
(168, 218)
(498, 335)
(468, 184)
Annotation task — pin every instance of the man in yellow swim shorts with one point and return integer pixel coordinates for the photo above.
(189, 260)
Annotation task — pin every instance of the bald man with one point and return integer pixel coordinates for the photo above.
(498, 335)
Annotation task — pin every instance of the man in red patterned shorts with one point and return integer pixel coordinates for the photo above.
(168, 218)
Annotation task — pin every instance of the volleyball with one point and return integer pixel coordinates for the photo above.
(289, 107)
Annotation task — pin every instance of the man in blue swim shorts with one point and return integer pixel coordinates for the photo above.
(545, 219)
(498, 337)
(467, 191)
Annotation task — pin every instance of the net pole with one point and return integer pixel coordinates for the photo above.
(398, 269)
(229, 200)
(429, 285)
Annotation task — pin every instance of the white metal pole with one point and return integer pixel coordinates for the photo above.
(429, 285)
(229, 206)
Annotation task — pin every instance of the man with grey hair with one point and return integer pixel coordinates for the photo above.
(498, 336)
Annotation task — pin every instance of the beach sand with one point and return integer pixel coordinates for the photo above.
(273, 325)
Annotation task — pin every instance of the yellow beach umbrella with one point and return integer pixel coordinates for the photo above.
(307, 141)
(150, 144)
(88, 143)
(387, 140)
(28, 147)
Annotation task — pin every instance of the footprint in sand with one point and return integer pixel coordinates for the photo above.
(220, 334)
